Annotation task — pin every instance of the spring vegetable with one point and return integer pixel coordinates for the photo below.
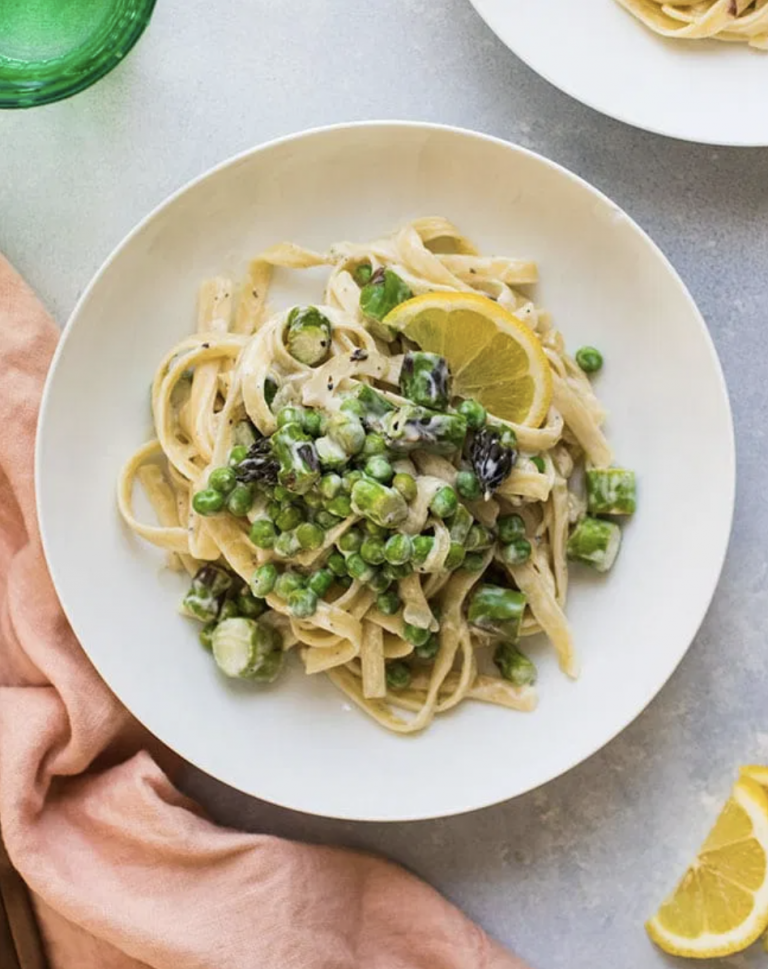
(395, 572)
(341, 506)
(290, 415)
(350, 541)
(374, 530)
(444, 503)
(479, 538)
(273, 510)
(412, 427)
(424, 379)
(473, 562)
(514, 665)
(595, 542)
(455, 557)
(270, 390)
(287, 544)
(379, 582)
(348, 432)
(374, 444)
(259, 466)
(344, 581)
(208, 502)
(389, 603)
(611, 491)
(460, 524)
(238, 453)
(473, 413)
(330, 485)
(325, 519)
(222, 480)
(517, 552)
(313, 422)
(320, 582)
(281, 494)
(330, 454)
(379, 468)
(510, 528)
(290, 517)
(398, 549)
(468, 485)
(358, 568)
(249, 606)
(308, 336)
(493, 454)
(337, 564)
(383, 293)
(375, 501)
(351, 405)
(349, 480)
(302, 603)
(497, 610)
(362, 273)
(313, 500)
(372, 551)
(422, 546)
(538, 462)
(589, 359)
(263, 580)
(398, 675)
(247, 649)
(310, 536)
(287, 583)
(427, 651)
(206, 635)
(299, 462)
(373, 407)
(406, 485)
(228, 610)
(415, 635)
(206, 593)
(244, 433)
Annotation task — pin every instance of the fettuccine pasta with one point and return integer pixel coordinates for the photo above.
(737, 21)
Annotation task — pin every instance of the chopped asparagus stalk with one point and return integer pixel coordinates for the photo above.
(378, 503)
(460, 524)
(424, 379)
(382, 293)
(299, 462)
(309, 335)
(374, 407)
(493, 454)
(497, 610)
(595, 542)
(247, 649)
(259, 465)
(514, 665)
(412, 427)
(611, 491)
(206, 593)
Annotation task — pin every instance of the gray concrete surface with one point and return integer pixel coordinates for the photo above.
(566, 874)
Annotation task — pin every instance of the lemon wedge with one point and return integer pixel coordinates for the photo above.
(492, 356)
(721, 904)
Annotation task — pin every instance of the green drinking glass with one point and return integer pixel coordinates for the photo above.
(51, 49)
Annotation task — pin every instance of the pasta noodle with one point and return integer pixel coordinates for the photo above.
(737, 21)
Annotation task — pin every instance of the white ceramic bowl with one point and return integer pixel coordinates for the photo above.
(299, 743)
(706, 91)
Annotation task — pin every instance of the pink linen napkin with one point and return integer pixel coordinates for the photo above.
(125, 871)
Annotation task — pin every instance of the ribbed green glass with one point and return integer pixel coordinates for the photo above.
(51, 49)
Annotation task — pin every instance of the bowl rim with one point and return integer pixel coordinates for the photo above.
(728, 460)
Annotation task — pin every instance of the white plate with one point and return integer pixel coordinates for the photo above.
(299, 743)
(594, 50)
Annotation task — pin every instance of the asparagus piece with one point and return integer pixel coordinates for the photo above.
(206, 593)
(378, 503)
(514, 665)
(299, 462)
(611, 491)
(493, 454)
(595, 542)
(460, 524)
(309, 335)
(247, 649)
(497, 610)
(373, 407)
(412, 427)
(424, 379)
(382, 293)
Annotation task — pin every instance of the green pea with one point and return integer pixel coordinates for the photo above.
(281, 493)
(389, 603)
(372, 551)
(345, 581)
(208, 502)
(353, 406)
(517, 552)
(358, 568)
(341, 506)
(206, 635)
(289, 518)
(237, 454)
(325, 519)
(422, 546)
(589, 359)
(398, 675)
(263, 533)
(539, 463)
(427, 651)
(379, 468)
(313, 500)
(310, 536)
(396, 572)
(273, 510)
(350, 479)
(380, 582)
(350, 541)
(240, 500)
(455, 556)
(362, 274)
(287, 544)
(398, 549)
(302, 603)
(263, 580)
(290, 415)
(222, 479)
(473, 562)
(479, 537)
(375, 530)
(445, 502)
(250, 606)
(330, 485)
(287, 583)
(468, 485)
(406, 485)
(473, 413)
(337, 564)
(321, 581)
(228, 610)
(313, 422)
(374, 445)
(510, 527)
(415, 634)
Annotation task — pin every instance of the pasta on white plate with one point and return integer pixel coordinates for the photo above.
(736, 21)
(393, 481)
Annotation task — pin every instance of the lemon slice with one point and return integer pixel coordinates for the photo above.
(492, 356)
(721, 904)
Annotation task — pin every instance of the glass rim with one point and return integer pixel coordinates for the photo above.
(13, 95)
